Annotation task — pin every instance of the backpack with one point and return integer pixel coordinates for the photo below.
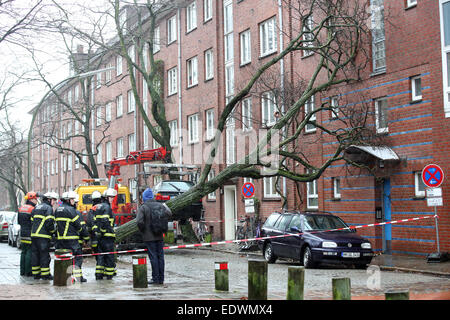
(159, 220)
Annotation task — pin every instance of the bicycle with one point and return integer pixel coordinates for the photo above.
(248, 228)
(201, 230)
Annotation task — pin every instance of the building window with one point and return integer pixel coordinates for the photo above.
(108, 73)
(193, 128)
(118, 65)
(209, 64)
(270, 187)
(131, 143)
(308, 35)
(173, 133)
(191, 17)
(171, 29)
(108, 147)
(119, 106)
(107, 113)
(99, 116)
(247, 114)
(310, 107)
(445, 40)
(99, 155)
(312, 195)
(212, 195)
(207, 10)
(267, 37)
(156, 42)
(411, 3)
(119, 143)
(172, 81)
(268, 109)
(419, 186)
(192, 71)
(131, 101)
(378, 36)
(231, 145)
(209, 124)
(381, 116)
(156, 144)
(416, 88)
(334, 104)
(145, 132)
(246, 55)
(98, 82)
(336, 188)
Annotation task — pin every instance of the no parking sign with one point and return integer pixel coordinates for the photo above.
(432, 175)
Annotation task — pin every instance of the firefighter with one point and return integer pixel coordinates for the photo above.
(24, 219)
(104, 229)
(92, 227)
(42, 229)
(69, 229)
(84, 235)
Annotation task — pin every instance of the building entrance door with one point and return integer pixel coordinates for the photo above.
(387, 229)
(230, 211)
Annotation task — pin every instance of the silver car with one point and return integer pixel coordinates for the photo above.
(6, 218)
(14, 232)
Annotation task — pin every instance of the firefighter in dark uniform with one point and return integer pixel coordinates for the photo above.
(91, 227)
(24, 219)
(69, 229)
(84, 235)
(104, 231)
(42, 230)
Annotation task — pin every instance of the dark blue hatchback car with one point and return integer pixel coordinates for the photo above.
(311, 243)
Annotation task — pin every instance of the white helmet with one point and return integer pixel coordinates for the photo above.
(51, 195)
(72, 195)
(110, 192)
(77, 199)
(64, 195)
(96, 195)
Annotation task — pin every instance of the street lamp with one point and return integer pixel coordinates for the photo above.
(37, 108)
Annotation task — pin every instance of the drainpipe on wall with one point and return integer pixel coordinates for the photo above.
(180, 128)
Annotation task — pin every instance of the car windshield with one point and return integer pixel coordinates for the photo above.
(7, 216)
(323, 222)
(174, 186)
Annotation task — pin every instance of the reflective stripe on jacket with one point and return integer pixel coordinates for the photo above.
(103, 220)
(68, 223)
(43, 221)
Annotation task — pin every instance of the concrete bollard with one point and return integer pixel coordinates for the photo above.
(296, 281)
(62, 267)
(397, 295)
(257, 280)
(221, 276)
(140, 271)
(341, 289)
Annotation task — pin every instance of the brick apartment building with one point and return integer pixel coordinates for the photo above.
(209, 48)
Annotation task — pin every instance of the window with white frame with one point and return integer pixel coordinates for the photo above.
(231, 145)
(173, 125)
(145, 134)
(108, 108)
(69, 162)
(156, 143)
(77, 163)
(118, 65)
(131, 101)
(334, 104)
(444, 9)
(268, 108)
(312, 194)
(192, 72)
(419, 186)
(270, 187)
(156, 40)
(309, 108)
(411, 3)
(229, 80)
(336, 188)
(209, 124)
(172, 81)
(191, 16)
(209, 64)
(378, 36)
(99, 116)
(108, 73)
(119, 145)
(84, 158)
(131, 143)
(229, 47)
(193, 128)
(207, 10)
(98, 82)
(381, 116)
(77, 92)
(171, 29)
(77, 127)
(119, 106)
(246, 52)
(132, 54)
(99, 154)
(212, 195)
(267, 37)
(108, 149)
(53, 167)
(416, 88)
(247, 114)
(308, 35)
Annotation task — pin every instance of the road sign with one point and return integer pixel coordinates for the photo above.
(432, 176)
(434, 192)
(435, 202)
(248, 190)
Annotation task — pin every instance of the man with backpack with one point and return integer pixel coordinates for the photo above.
(152, 220)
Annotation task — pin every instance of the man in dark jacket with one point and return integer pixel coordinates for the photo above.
(92, 227)
(24, 219)
(154, 242)
(42, 230)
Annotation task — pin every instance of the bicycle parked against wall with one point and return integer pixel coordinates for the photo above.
(248, 227)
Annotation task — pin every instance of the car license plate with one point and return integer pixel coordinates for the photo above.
(350, 254)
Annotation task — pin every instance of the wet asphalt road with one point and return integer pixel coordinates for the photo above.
(190, 275)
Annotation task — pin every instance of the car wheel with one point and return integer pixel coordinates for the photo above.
(307, 258)
(268, 253)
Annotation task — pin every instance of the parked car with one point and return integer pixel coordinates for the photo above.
(311, 243)
(169, 189)
(14, 232)
(5, 219)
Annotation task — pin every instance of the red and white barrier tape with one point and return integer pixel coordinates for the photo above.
(196, 245)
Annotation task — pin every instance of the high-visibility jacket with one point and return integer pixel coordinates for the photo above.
(103, 220)
(84, 235)
(24, 219)
(43, 221)
(68, 224)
